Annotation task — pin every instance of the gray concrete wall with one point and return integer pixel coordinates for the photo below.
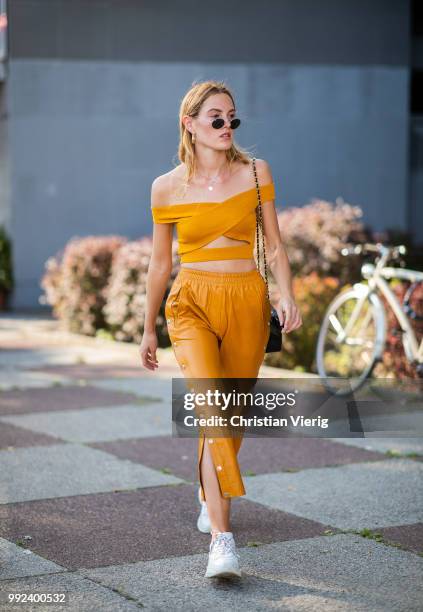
(5, 193)
(416, 178)
(94, 90)
(416, 129)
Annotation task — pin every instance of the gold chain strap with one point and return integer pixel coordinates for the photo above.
(259, 222)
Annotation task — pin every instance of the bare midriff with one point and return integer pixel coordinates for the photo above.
(223, 265)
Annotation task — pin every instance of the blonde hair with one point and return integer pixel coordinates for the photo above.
(191, 105)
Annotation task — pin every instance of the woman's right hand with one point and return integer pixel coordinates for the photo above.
(148, 349)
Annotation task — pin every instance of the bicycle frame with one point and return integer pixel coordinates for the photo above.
(376, 275)
(369, 293)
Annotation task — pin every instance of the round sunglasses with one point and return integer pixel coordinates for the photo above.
(219, 123)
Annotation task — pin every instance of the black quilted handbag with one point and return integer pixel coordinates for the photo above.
(274, 343)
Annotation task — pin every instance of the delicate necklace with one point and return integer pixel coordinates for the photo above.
(211, 180)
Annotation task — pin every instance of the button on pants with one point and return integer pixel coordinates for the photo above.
(218, 324)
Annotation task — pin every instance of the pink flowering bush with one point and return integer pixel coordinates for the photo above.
(75, 281)
(314, 235)
(99, 283)
(126, 293)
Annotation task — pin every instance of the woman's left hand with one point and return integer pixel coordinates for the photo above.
(289, 314)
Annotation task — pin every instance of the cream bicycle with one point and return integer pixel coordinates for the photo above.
(353, 331)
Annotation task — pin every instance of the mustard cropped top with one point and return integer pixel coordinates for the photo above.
(198, 223)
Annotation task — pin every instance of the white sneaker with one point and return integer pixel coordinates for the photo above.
(203, 521)
(223, 558)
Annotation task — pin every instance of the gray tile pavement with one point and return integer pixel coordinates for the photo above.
(70, 469)
(361, 495)
(99, 424)
(17, 562)
(9, 379)
(160, 388)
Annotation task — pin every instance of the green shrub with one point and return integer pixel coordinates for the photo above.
(6, 271)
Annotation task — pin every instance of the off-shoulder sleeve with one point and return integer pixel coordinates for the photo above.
(162, 214)
(267, 192)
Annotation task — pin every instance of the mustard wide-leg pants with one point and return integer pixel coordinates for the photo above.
(218, 327)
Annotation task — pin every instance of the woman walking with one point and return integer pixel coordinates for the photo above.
(217, 311)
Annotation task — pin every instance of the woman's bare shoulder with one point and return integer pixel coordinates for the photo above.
(264, 172)
(164, 185)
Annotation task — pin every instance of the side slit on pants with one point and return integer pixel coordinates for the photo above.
(199, 466)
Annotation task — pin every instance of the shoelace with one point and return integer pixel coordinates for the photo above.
(223, 544)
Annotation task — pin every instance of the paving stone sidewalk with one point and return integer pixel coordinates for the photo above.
(99, 501)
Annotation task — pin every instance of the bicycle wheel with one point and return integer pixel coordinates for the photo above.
(351, 340)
